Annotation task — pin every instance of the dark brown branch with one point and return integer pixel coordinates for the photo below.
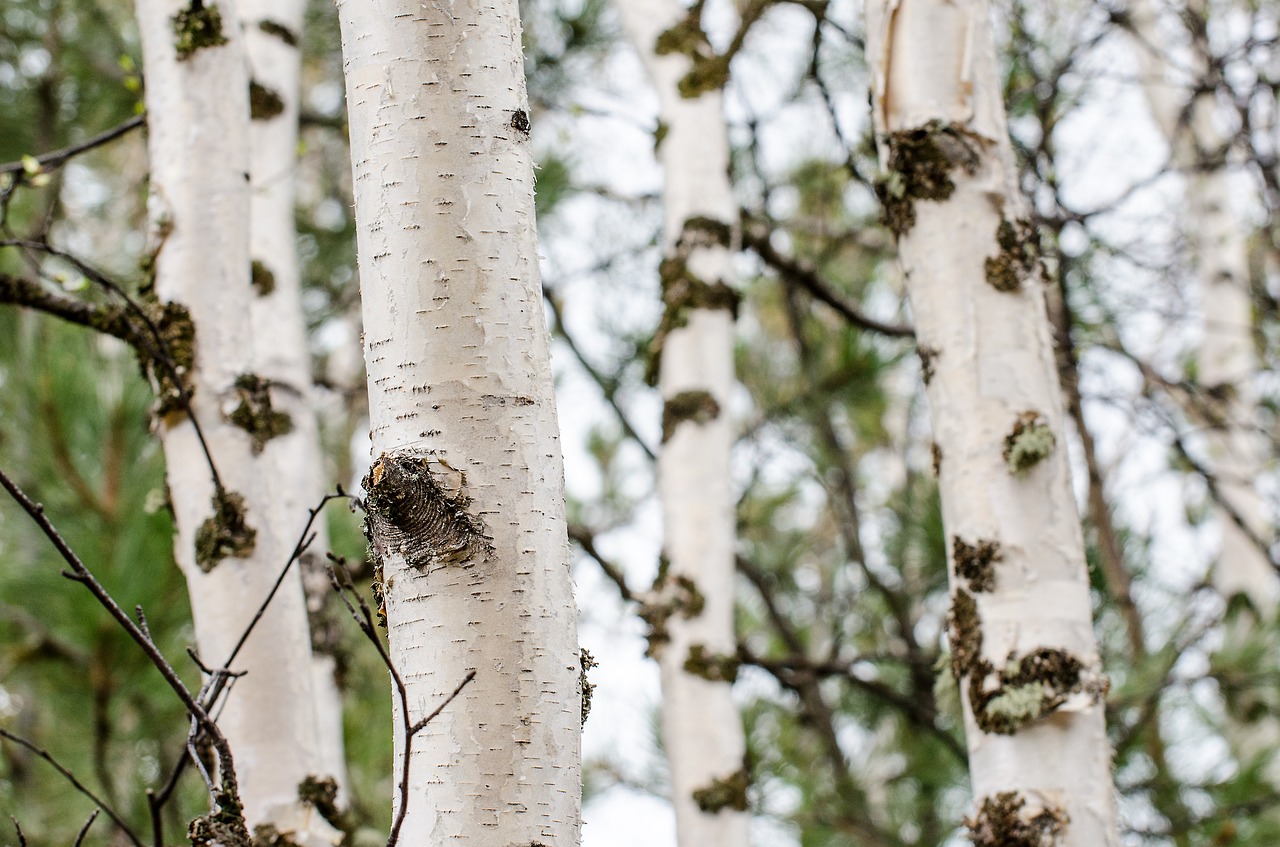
(111, 320)
(797, 273)
(56, 158)
(587, 541)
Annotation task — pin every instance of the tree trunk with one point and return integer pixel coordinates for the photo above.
(227, 545)
(1022, 644)
(466, 502)
(691, 612)
(281, 353)
(1225, 403)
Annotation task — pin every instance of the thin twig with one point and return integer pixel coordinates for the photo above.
(84, 830)
(75, 783)
(55, 158)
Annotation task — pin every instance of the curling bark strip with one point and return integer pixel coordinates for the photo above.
(466, 491)
(701, 727)
(198, 142)
(1021, 634)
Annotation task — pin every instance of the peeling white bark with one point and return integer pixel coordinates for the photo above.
(198, 140)
(702, 729)
(460, 386)
(991, 360)
(280, 352)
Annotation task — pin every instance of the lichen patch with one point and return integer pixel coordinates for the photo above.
(1028, 443)
(226, 533)
(919, 167)
(1019, 255)
(975, 562)
(255, 414)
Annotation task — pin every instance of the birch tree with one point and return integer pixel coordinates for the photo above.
(465, 495)
(1224, 404)
(691, 612)
(272, 30)
(229, 543)
(1022, 646)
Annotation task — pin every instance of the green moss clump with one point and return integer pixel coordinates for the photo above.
(673, 596)
(696, 406)
(686, 37)
(178, 339)
(263, 280)
(225, 534)
(195, 28)
(708, 74)
(264, 103)
(255, 414)
(1018, 258)
(729, 792)
(586, 662)
(1001, 822)
(711, 666)
(976, 562)
(280, 31)
(919, 168)
(1030, 442)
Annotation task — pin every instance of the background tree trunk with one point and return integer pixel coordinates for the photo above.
(692, 609)
(466, 496)
(227, 544)
(1022, 644)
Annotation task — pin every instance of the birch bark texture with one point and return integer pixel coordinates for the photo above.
(691, 610)
(466, 495)
(1022, 644)
(1226, 403)
(280, 350)
(198, 143)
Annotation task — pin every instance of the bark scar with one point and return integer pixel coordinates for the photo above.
(414, 514)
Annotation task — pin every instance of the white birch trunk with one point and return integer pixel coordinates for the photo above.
(1216, 235)
(466, 496)
(1021, 635)
(281, 355)
(693, 633)
(198, 139)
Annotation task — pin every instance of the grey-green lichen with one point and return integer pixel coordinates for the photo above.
(729, 792)
(280, 31)
(1028, 443)
(1002, 821)
(919, 167)
(226, 533)
(255, 414)
(1018, 258)
(411, 514)
(1004, 701)
(196, 27)
(976, 562)
(696, 406)
(264, 281)
(586, 662)
(264, 102)
(712, 667)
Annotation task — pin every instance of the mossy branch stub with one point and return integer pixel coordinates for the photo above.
(195, 28)
(255, 414)
(226, 533)
(698, 407)
(280, 31)
(1027, 689)
(176, 358)
(412, 515)
(964, 633)
(263, 280)
(919, 167)
(729, 792)
(713, 667)
(1003, 821)
(586, 662)
(678, 595)
(264, 103)
(1018, 258)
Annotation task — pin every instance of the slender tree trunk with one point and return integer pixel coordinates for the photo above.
(1021, 637)
(466, 502)
(281, 354)
(691, 612)
(198, 121)
(1226, 402)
